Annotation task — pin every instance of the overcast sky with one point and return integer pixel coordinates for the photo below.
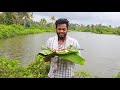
(104, 18)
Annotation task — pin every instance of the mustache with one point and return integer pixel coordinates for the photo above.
(61, 33)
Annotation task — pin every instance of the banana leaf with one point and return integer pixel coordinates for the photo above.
(70, 53)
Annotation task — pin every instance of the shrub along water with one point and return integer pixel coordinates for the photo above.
(36, 69)
(13, 69)
(7, 31)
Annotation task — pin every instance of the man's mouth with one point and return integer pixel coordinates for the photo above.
(61, 34)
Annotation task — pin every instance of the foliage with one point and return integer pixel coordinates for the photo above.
(23, 18)
(117, 76)
(84, 74)
(21, 23)
(7, 31)
(13, 69)
(70, 53)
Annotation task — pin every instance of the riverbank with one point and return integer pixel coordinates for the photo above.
(36, 69)
(13, 69)
(7, 31)
(100, 30)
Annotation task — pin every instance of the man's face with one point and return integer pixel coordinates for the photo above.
(61, 31)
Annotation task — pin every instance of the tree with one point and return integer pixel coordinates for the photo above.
(26, 17)
(2, 18)
(53, 20)
(8, 18)
(16, 17)
(49, 24)
(43, 22)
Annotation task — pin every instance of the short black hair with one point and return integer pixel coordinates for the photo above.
(62, 21)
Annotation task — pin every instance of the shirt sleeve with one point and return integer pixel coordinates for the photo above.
(78, 46)
(48, 43)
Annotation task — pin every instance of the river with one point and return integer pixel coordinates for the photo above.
(101, 51)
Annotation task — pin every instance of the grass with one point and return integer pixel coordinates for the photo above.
(84, 74)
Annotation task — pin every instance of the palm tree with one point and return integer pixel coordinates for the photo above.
(43, 21)
(53, 20)
(26, 16)
(23, 16)
(16, 17)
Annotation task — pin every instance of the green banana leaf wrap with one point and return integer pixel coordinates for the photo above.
(70, 53)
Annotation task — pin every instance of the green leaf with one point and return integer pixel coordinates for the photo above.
(70, 53)
(74, 57)
(45, 52)
(72, 48)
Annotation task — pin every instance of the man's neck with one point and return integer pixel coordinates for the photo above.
(61, 41)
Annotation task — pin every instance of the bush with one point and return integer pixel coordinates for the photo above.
(84, 74)
(13, 69)
(7, 31)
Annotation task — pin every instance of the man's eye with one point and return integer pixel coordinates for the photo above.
(63, 29)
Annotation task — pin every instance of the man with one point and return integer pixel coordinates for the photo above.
(60, 68)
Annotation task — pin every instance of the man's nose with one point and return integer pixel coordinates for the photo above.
(61, 30)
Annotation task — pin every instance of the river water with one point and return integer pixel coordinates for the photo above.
(101, 51)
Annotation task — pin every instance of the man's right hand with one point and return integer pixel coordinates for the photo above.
(54, 51)
(49, 58)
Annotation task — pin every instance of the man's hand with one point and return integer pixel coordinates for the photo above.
(49, 58)
(54, 51)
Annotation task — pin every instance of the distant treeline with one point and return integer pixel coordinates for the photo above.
(98, 28)
(19, 23)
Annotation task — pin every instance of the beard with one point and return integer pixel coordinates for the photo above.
(62, 36)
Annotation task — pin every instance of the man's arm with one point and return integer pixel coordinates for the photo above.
(49, 58)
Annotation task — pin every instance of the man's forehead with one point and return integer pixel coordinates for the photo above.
(61, 25)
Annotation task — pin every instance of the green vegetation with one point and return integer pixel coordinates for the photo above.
(13, 69)
(21, 23)
(36, 69)
(84, 74)
(98, 29)
(7, 31)
(70, 53)
(117, 76)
